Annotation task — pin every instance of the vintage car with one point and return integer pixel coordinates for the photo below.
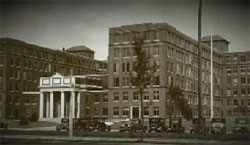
(65, 124)
(125, 127)
(241, 126)
(175, 126)
(218, 126)
(195, 126)
(98, 124)
(83, 124)
(3, 125)
(156, 124)
(136, 125)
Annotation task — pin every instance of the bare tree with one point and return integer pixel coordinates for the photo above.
(143, 74)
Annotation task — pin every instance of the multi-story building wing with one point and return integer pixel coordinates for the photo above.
(176, 54)
(237, 86)
(22, 65)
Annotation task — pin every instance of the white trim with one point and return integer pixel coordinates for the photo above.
(29, 93)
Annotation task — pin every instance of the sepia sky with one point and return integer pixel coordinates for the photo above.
(58, 24)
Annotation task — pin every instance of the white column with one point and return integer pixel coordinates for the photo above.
(78, 105)
(47, 105)
(73, 104)
(51, 107)
(41, 105)
(62, 104)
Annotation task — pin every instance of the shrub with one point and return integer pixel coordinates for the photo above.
(34, 117)
(24, 121)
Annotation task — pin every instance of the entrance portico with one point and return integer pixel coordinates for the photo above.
(55, 93)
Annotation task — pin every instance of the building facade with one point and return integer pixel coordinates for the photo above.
(176, 54)
(22, 65)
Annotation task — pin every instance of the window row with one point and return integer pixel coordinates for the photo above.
(146, 96)
(125, 111)
(132, 81)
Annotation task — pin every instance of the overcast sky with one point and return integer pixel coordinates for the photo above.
(66, 24)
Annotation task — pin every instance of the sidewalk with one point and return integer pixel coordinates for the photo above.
(110, 139)
(52, 128)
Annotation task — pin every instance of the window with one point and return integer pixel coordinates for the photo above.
(11, 99)
(125, 111)
(125, 96)
(229, 71)
(125, 52)
(97, 99)
(229, 80)
(17, 99)
(229, 102)
(116, 52)
(27, 99)
(243, 70)
(116, 111)
(156, 95)
(243, 80)
(235, 91)
(156, 50)
(105, 98)
(125, 81)
(116, 81)
(235, 102)
(229, 113)
(243, 58)
(135, 96)
(125, 67)
(146, 111)
(235, 80)
(229, 92)
(97, 111)
(243, 91)
(12, 61)
(116, 67)
(156, 111)
(116, 96)
(146, 96)
(235, 70)
(105, 111)
(157, 80)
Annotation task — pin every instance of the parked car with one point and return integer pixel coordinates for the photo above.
(65, 124)
(156, 124)
(241, 126)
(195, 126)
(98, 124)
(175, 126)
(3, 125)
(218, 126)
(136, 125)
(125, 127)
(83, 124)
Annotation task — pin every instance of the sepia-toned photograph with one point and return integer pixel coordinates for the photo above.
(127, 72)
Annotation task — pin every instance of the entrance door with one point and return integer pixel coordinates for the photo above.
(135, 112)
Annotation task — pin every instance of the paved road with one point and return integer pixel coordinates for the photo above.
(65, 142)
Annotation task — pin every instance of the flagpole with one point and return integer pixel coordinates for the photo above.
(212, 87)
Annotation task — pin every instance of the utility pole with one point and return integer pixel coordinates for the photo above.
(142, 113)
(199, 65)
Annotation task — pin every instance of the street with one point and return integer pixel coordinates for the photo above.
(147, 142)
